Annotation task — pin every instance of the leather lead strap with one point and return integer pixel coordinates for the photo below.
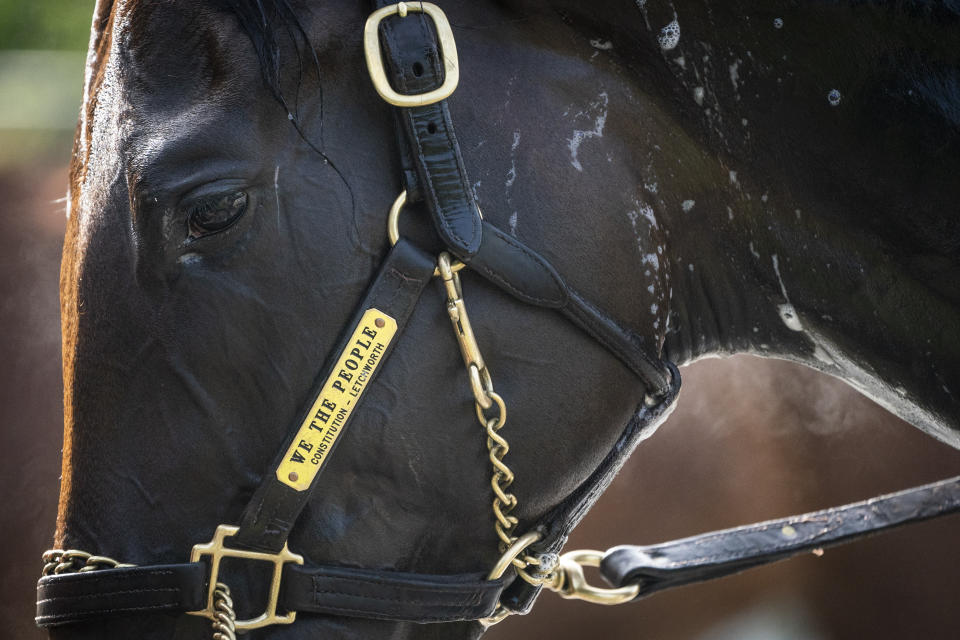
(721, 553)
(275, 506)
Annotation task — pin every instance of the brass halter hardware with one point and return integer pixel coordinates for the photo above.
(505, 562)
(218, 551)
(566, 580)
(393, 228)
(572, 585)
(448, 54)
(57, 561)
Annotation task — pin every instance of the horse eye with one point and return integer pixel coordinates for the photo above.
(215, 214)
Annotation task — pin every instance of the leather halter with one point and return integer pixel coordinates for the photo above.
(434, 174)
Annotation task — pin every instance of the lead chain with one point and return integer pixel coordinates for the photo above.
(486, 399)
(57, 561)
(225, 619)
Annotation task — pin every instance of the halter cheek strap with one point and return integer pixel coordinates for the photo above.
(377, 325)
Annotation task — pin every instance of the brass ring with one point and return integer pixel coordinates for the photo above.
(393, 230)
(513, 551)
(501, 416)
(505, 562)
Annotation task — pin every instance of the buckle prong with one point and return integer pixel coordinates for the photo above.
(218, 551)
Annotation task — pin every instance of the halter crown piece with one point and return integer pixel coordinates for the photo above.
(412, 46)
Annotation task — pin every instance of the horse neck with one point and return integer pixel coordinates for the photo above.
(778, 242)
(767, 274)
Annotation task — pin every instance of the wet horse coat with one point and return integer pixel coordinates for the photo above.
(700, 179)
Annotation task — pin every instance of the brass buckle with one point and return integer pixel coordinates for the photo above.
(217, 551)
(448, 55)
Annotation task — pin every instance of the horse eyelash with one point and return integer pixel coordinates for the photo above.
(201, 206)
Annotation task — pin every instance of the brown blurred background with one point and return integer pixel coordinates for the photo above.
(751, 439)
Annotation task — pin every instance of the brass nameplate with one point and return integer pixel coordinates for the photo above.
(337, 399)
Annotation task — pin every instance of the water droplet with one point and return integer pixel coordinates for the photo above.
(778, 23)
(834, 97)
(669, 36)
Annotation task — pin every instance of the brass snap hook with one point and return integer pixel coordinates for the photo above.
(574, 585)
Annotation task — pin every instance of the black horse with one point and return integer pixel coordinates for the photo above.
(771, 178)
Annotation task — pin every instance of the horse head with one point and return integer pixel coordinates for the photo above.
(231, 177)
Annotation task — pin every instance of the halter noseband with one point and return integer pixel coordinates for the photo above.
(76, 586)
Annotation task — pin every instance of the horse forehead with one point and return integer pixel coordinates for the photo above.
(165, 75)
(180, 54)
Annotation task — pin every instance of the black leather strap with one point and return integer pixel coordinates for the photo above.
(74, 597)
(342, 591)
(721, 553)
(414, 66)
(275, 507)
(389, 595)
(525, 274)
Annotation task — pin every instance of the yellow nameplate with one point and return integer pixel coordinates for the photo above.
(339, 396)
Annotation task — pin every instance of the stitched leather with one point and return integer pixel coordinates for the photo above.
(389, 595)
(414, 66)
(517, 269)
(275, 507)
(720, 553)
(73, 597)
(626, 345)
(525, 274)
(342, 591)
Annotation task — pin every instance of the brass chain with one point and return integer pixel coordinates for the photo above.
(486, 399)
(225, 620)
(58, 561)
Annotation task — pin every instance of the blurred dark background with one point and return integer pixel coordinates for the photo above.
(751, 439)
